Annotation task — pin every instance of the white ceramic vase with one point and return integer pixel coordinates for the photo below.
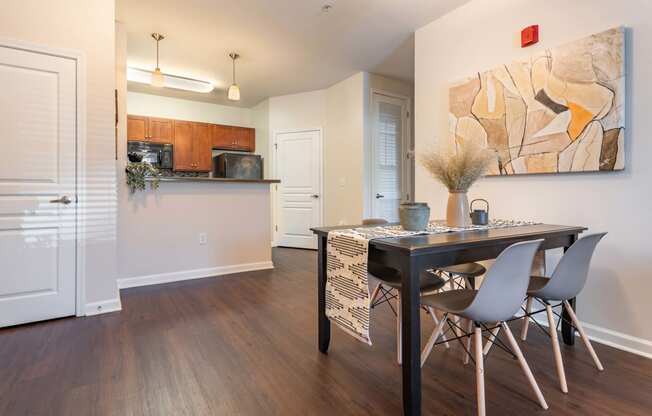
(457, 211)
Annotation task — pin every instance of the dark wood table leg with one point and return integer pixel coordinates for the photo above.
(323, 324)
(411, 335)
(567, 331)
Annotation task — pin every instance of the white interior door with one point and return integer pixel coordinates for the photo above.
(37, 177)
(298, 166)
(389, 139)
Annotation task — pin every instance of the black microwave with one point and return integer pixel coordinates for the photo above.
(159, 155)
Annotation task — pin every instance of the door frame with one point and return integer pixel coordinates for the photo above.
(274, 171)
(406, 148)
(80, 161)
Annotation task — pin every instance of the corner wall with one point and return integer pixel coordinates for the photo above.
(343, 112)
(482, 34)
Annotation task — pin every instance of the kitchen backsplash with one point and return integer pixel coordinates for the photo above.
(170, 172)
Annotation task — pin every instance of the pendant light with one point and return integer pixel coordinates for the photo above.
(157, 75)
(234, 90)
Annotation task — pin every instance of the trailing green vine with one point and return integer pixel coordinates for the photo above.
(138, 173)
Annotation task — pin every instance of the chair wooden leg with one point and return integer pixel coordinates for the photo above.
(433, 314)
(524, 366)
(552, 328)
(399, 337)
(467, 283)
(433, 338)
(374, 294)
(469, 329)
(585, 339)
(479, 370)
(490, 341)
(526, 319)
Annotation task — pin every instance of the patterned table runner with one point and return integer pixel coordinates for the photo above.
(348, 301)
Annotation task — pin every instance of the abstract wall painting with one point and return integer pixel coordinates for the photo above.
(562, 110)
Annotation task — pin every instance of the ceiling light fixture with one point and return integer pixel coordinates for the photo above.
(234, 90)
(143, 76)
(157, 75)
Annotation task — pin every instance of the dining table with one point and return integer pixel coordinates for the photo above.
(413, 254)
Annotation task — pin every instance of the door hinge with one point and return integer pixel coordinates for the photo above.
(276, 227)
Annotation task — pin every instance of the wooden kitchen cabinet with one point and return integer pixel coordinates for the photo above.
(136, 128)
(183, 146)
(150, 129)
(246, 139)
(160, 130)
(222, 137)
(192, 147)
(234, 138)
(202, 147)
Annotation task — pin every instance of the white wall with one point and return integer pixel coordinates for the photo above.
(159, 231)
(86, 27)
(166, 107)
(297, 111)
(260, 121)
(483, 34)
(347, 103)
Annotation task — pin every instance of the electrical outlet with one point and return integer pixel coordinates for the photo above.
(203, 239)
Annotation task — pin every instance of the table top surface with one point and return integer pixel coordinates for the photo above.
(417, 243)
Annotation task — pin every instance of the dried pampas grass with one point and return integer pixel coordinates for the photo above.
(458, 171)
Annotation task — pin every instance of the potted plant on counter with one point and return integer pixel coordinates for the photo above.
(138, 173)
(458, 171)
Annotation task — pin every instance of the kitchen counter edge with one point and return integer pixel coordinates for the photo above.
(227, 180)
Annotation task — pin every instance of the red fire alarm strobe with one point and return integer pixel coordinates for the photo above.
(529, 36)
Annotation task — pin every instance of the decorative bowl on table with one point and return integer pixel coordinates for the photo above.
(414, 216)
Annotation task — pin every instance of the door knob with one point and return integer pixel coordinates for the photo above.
(63, 200)
(378, 196)
(314, 196)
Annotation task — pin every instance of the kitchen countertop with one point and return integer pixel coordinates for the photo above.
(204, 179)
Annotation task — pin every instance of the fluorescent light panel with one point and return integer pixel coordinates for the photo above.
(144, 76)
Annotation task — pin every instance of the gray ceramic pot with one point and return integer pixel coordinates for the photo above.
(414, 215)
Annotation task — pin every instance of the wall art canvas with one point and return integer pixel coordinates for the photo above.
(562, 110)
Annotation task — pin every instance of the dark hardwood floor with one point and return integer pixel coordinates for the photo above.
(246, 345)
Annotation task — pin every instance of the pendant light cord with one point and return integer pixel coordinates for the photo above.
(157, 42)
(234, 70)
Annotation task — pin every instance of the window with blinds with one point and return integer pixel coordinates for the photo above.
(387, 164)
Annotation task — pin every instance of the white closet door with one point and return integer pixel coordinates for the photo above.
(298, 165)
(37, 178)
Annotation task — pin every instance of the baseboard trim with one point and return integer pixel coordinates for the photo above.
(635, 345)
(156, 279)
(103, 306)
(615, 339)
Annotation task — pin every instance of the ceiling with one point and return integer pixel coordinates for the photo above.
(286, 46)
